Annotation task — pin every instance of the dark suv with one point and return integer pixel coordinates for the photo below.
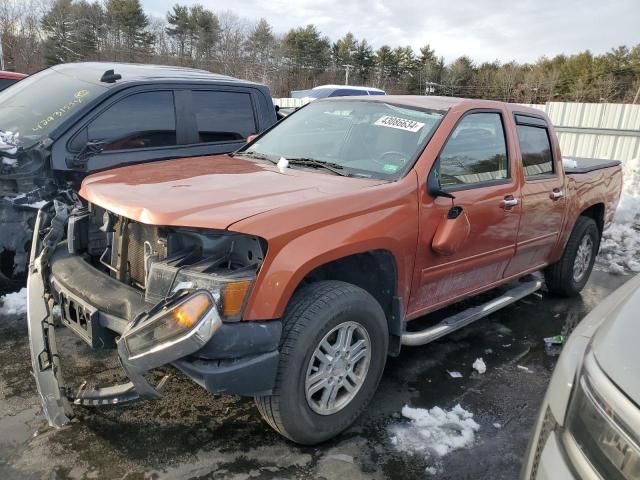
(58, 125)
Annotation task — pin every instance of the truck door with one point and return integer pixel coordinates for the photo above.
(476, 165)
(543, 202)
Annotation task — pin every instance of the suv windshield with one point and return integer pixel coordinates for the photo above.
(365, 138)
(36, 105)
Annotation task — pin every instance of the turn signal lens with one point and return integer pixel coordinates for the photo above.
(187, 314)
(233, 297)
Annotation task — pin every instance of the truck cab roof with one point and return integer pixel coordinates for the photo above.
(437, 103)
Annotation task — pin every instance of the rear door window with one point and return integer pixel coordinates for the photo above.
(535, 149)
(476, 152)
(223, 116)
(141, 120)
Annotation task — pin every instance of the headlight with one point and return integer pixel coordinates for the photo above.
(188, 322)
(229, 291)
(599, 425)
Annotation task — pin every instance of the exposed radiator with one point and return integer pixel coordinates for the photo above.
(137, 234)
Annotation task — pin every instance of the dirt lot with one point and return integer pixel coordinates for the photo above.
(190, 434)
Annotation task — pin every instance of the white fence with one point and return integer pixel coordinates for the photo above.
(596, 130)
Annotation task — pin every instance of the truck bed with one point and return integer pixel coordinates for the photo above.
(575, 165)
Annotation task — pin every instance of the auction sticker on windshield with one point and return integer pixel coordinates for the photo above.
(399, 123)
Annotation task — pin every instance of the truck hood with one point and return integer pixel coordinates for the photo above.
(615, 346)
(209, 192)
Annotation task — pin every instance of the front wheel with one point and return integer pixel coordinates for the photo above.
(568, 276)
(332, 355)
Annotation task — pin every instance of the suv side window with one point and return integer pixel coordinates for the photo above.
(535, 149)
(223, 116)
(348, 92)
(141, 120)
(476, 152)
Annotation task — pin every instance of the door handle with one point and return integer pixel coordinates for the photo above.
(509, 202)
(556, 194)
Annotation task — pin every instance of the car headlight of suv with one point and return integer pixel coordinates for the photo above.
(184, 325)
(229, 291)
(601, 421)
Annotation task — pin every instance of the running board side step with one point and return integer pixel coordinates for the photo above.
(466, 317)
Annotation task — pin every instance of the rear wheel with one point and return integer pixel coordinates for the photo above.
(568, 276)
(332, 355)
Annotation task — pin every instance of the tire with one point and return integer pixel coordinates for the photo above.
(313, 315)
(561, 277)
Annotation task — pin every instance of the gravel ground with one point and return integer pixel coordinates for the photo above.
(190, 434)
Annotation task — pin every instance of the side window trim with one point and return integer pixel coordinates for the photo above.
(529, 120)
(488, 183)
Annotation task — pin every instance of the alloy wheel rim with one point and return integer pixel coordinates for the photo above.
(338, 368)
(583, 258)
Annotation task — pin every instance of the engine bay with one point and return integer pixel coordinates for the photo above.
(161, 260)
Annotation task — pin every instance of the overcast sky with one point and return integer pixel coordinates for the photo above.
(523, 30)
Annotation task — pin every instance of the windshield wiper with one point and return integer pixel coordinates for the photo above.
(310, 162)
(256, 155)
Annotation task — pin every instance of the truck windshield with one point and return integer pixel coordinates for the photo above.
(36, 105)
(364, 138)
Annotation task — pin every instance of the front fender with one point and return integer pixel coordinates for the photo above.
(393, 229)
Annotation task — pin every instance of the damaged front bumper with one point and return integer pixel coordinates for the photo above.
(239, 359)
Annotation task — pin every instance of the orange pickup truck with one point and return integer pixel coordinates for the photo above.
(290, 270)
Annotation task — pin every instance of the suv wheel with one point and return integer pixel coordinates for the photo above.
(568, 276)
(332, 355)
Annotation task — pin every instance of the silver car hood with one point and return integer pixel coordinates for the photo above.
(616, 345)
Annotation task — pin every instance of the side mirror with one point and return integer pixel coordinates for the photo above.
(91, 148)
(452, 232)
(252, 137)
(434, 188)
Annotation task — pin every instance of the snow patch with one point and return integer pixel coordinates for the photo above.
(620, 247)
(9, 142)
(282, 164)
(26, 200)
(434, 432)
(480, 366)
(14, 303)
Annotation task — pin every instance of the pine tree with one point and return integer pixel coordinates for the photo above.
(61, 28)
(260, 47)
(205, 31)
(180, 26)
(129, 23)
